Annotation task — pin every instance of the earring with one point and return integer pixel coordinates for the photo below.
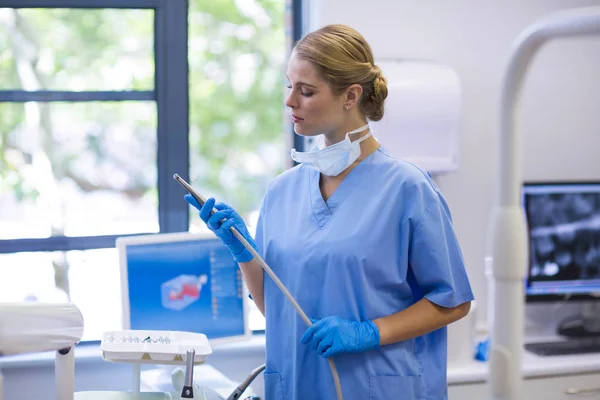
(346, 107)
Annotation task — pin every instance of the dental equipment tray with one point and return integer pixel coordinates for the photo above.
(153, 347)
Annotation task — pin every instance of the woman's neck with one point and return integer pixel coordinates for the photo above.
(367, 147)
(348, 126)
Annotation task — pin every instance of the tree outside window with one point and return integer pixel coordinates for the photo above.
(88, 168)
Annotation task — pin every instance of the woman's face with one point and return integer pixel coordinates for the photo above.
(314, 107)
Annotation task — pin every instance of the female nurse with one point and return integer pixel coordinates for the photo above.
(363, 240)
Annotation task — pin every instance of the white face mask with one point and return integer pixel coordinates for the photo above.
(334, 159)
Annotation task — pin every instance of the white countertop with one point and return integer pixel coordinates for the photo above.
(534, 366)
(466, 372)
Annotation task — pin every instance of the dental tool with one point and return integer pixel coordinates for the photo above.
(269, 271)
(188, 390)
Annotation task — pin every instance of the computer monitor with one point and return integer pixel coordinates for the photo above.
(564, 240)
(182, 282)
(563, 221)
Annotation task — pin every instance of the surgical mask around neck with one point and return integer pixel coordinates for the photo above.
(333, 160)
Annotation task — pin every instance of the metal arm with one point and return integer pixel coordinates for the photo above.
(64, 370)
(188, 385)
(508, 228)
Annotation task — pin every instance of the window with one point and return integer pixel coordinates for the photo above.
(237, 127)
(95, 121)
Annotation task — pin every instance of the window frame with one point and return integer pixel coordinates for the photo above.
(297, 9)
(170, 95)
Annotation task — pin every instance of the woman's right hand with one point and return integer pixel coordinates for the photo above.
(220, 223)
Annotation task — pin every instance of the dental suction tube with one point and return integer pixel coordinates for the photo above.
(269, 271)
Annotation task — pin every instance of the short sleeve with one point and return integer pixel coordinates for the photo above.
(436, 259)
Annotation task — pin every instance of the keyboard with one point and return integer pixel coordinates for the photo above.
(568, 347)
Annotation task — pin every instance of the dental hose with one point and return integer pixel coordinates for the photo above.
(269, 271)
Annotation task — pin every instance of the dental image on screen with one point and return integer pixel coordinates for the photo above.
(180, 292)
(564, 234)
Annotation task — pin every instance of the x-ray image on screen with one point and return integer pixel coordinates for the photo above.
(564, 232)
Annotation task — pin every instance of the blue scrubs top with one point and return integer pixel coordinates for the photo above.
(380, 243)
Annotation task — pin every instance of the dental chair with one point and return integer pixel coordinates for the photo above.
(31, 327)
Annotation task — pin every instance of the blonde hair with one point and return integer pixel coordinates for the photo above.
(343, 58)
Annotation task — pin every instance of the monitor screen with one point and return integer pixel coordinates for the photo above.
(182, 282)
(564, 240)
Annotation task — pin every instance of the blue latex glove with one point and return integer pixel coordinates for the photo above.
(335, 335)
(222, 229)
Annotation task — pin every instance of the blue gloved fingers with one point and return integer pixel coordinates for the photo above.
(335, 335)
(310, 331)
(230, 217)
(222, 206)
(192, 201)
(330, 352)
(226, 235)
(214, 221)
(322, 333)
(206, 209)
(325, 343)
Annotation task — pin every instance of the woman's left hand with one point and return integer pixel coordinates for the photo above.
(335, 335)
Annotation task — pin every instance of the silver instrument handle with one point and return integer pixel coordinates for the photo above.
(188, 383)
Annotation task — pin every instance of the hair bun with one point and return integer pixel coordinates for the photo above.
(374, 106)
(379, 84)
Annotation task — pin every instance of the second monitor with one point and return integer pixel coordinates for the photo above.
(564, 249)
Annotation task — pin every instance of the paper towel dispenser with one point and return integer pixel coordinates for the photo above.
(422, 119)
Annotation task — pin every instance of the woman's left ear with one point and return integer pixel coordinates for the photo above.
(353, 94)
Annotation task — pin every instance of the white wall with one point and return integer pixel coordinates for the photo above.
(561, 96)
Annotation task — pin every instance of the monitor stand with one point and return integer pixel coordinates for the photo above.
(585, 325)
